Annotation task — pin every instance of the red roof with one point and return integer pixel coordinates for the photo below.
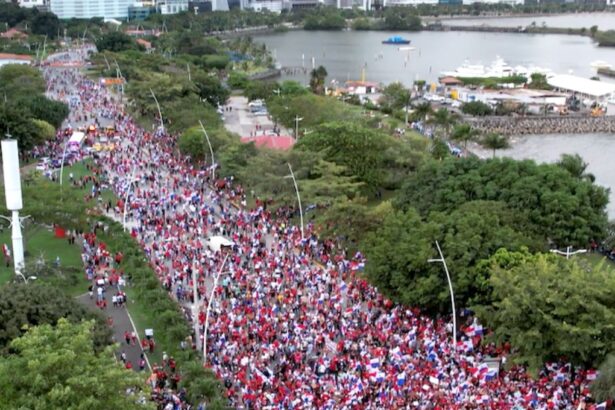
(8, 56)
(12, 33)
(271, 141)
(144, 43)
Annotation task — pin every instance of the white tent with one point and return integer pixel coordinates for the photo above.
(215, 243)
(591, 88)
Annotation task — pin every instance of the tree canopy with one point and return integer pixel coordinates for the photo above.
(558, 206)
(397, 261)
(116, 41)
(549, 307)
(57, 368)
(23, 306)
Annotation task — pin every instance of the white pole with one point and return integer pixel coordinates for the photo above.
(450, 286)
(292, 174)
(17, 238)
(211, 151)
(297, 119)
(211, 297)
(195, 310)
(158, 106)
(189, 76)
(132, 177)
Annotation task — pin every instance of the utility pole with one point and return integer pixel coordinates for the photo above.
(212, 295)
(211, 151)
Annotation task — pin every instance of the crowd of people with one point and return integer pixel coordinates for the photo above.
(293, 324)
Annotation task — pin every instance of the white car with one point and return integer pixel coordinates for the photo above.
(43, 164)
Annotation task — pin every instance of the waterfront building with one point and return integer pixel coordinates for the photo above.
(171, 6)
(87, 9)
(140, 12)
(389, 3)
(599, 91)
(39, 4)
(275, 6)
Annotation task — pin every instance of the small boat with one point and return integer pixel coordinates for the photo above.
(396, 40)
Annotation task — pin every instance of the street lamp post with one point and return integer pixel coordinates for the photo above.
(297, 119)
(130, 182)
(211, 151)
(158, 106)
(450, 286)
(211, 297)
(292, 175)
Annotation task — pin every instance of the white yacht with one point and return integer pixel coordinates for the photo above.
(499, 68)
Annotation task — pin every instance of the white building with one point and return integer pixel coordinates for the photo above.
(511, 2)
(87, 9)
(407, 2)
(6, 58)
(350, 4)
(275, 6)
(171, 6)
(595, 90)
(32, 3)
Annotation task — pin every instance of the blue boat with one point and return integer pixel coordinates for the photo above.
(396, 40)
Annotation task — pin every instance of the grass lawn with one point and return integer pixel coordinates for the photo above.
(593, 260)
(40, 242)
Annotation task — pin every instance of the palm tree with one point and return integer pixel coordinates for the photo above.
(463, 133)
(576, 166)
(603, 388)
(422, 111)
(445, 119)
(317, 80)
(494, 141)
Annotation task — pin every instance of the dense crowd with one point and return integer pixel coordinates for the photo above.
(293, 325)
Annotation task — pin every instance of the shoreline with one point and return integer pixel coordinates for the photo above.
(521, 126)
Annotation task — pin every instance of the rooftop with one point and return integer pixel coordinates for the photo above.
(8, 56)
(271, 141)
(581, 85)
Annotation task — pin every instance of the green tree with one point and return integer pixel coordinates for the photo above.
(603, 388)
(476, 108)
(45, 24)
(394, 97)
(539, 81)
(116, 41)
(549, 307)
(401, 18)
(46, 131)
(463, 133)
(422, 111)
(18, 80)
(353, 146)
(17, 121)
(576, 166)
(318, 77)
(210, 88)
(494, 142)
(559, 207)
(443, 120)
(42, 108)
(593, 30)
(23, 306)
(57, 367)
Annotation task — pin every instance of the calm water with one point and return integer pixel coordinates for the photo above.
(344, 54)
(604, 21)
(597, 150)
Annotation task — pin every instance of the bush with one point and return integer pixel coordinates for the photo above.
(476, 109)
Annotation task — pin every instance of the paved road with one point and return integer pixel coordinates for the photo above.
(242, 122)
(119, 317)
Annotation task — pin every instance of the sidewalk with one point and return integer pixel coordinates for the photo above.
(122, 323)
